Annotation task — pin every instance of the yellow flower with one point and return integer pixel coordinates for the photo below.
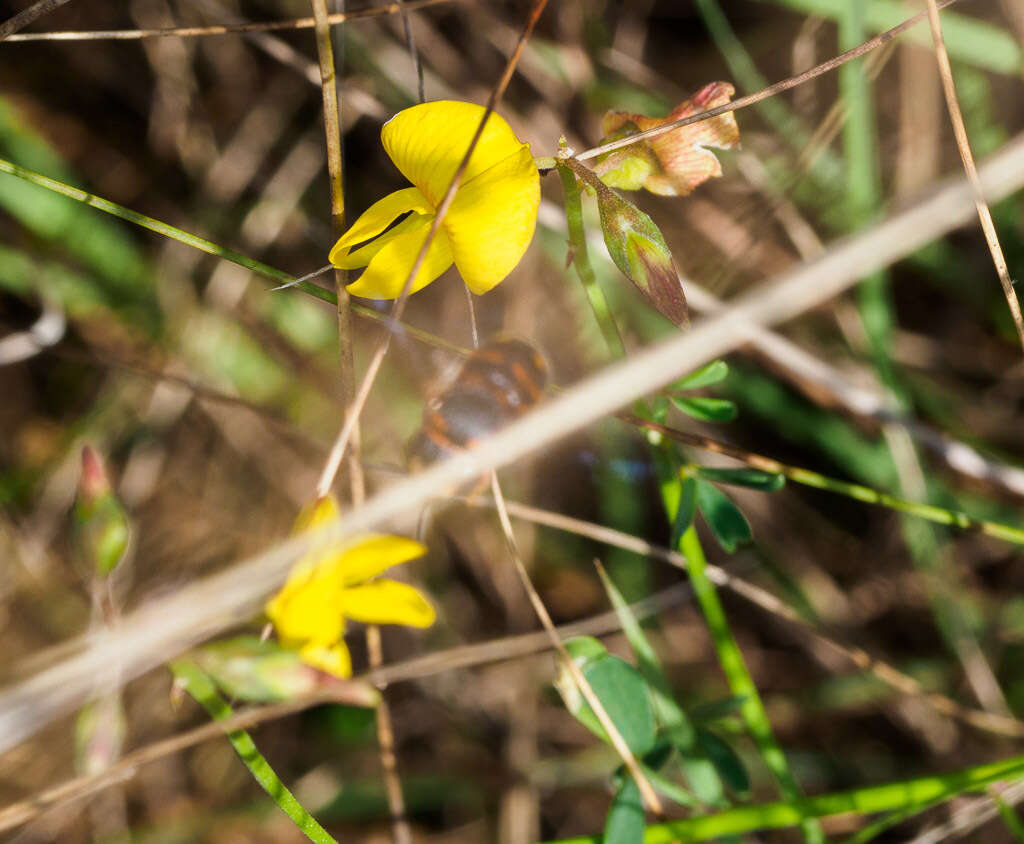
(330, 584)
(488, 225)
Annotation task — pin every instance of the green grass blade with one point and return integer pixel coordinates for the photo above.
(159, 227)
(890, 797)
(202, 689)
(741, 683)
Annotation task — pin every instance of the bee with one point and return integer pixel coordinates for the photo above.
(499, 382)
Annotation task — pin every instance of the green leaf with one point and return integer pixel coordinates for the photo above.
(706, 408)
(685, 511)
(621, 690)
(725, 760)
(727, 523)
(669, 714)
(752, 478)
(710, 373)
(585, 650)
(672, 790)
(625, 821)
(714, 710)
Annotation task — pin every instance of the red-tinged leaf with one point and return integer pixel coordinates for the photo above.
(676, 162)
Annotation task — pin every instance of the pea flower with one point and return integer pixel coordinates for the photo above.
(488, 225)
(335, 582)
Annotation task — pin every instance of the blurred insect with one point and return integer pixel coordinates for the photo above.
(498, 383)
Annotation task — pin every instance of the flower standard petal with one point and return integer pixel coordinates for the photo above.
(388, 269)
(492, 220)
(388, 602)
(428, 141)
(378, 217)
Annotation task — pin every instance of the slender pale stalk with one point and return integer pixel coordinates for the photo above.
(651, 800)
(400, 830)
(963, 144)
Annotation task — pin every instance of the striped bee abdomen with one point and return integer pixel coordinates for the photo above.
(497, 383)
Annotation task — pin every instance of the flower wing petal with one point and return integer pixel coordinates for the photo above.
(329, 658)
(376, 553)
(388, 602)
(375, 219)
(388, 269)
(492, 219)
(364, 254)
(427, 142)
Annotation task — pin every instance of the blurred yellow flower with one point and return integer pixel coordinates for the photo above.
(330, 584)
(488, 225)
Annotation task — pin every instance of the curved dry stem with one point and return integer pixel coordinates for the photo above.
(967, 157)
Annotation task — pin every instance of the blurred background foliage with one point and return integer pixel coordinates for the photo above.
(214, 401)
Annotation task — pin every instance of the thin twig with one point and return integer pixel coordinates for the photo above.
(650, 798)
(964, 147)
(155, 631)
(770, 91)
(352, 416)
(198, 31)
(27, 16)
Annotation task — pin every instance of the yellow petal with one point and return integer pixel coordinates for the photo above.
(332, 659)
(310, 610)
(364, 254)
(378, 552)
(376, 218)
(388, 602)
(389, 268)
(492, 219)
(427, 142)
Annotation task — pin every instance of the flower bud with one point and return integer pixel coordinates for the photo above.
(100, 520)
(256, 671)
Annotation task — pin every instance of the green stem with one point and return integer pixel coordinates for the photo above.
(202, 689)
(581, 261)
(740, 682)
(929, 512)
(889, 797)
